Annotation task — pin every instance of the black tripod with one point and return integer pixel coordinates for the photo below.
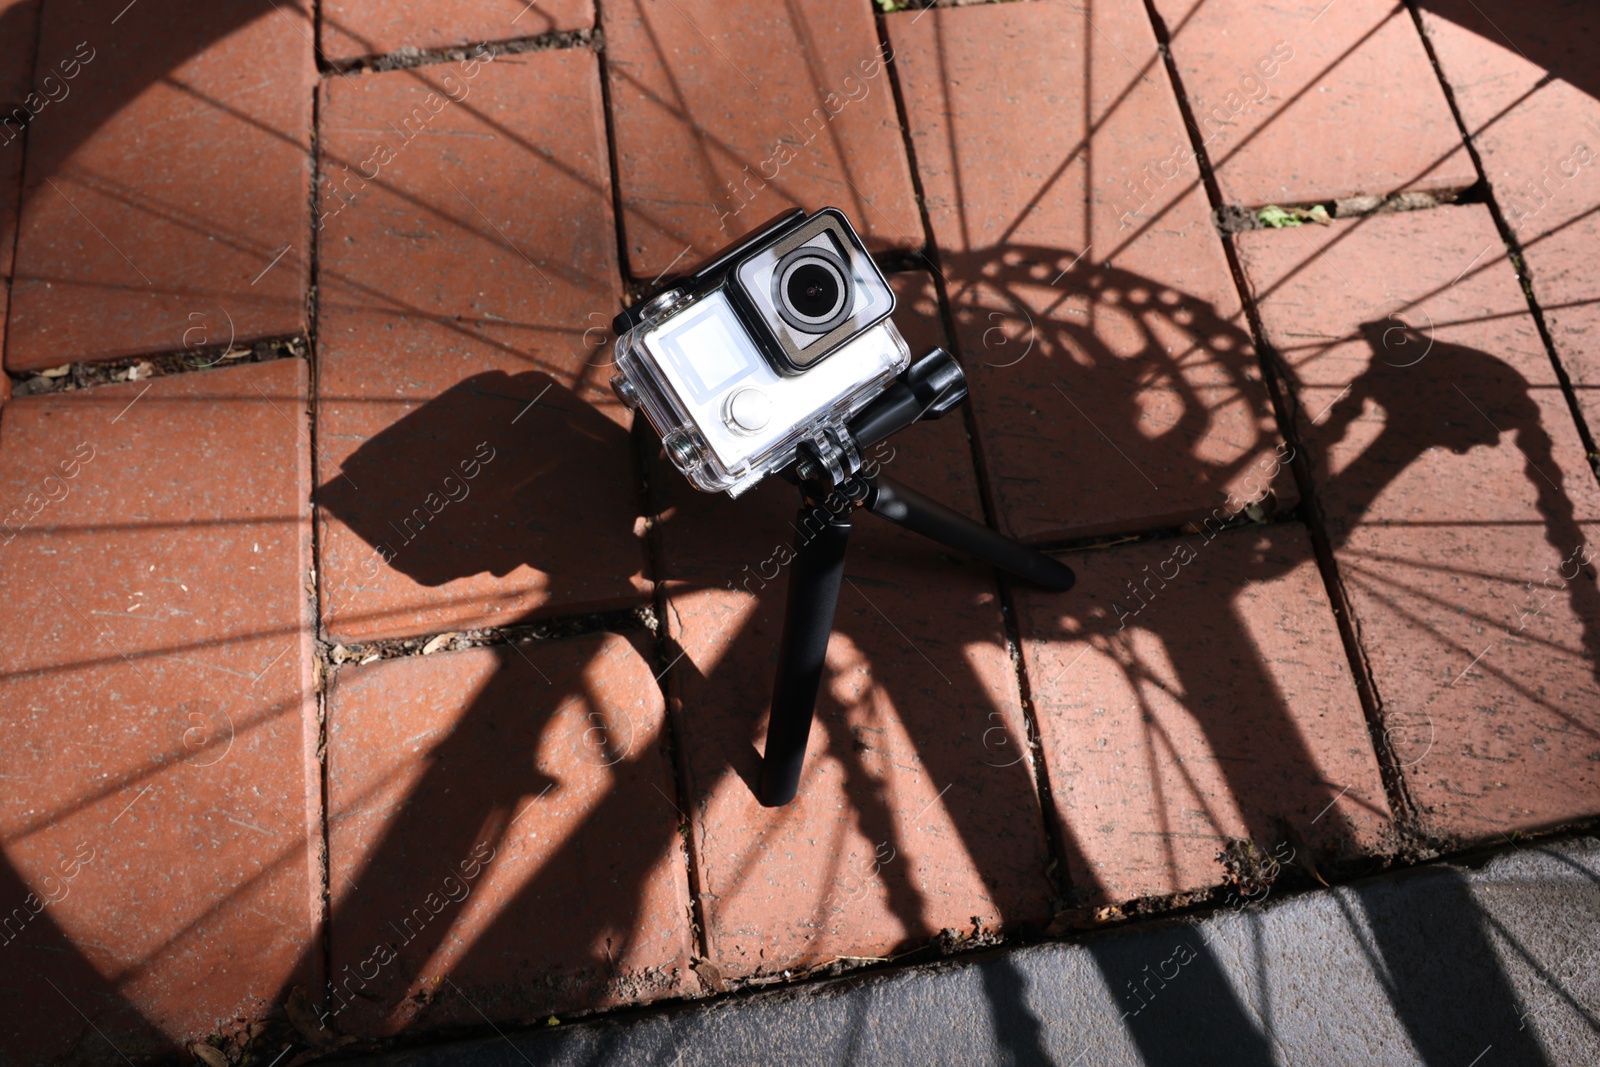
(831, 488)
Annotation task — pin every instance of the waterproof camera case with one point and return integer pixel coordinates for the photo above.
(770, 347)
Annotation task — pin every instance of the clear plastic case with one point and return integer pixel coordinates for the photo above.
(726, 418)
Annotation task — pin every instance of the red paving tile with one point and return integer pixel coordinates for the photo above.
(1114, 384)
(728, 113)
(917, 811)
(1190, 691)
(466, 292)
(1456, 493)
(19, 35)
(355, 28)
(1309, 100)
(438, 868)
(1532, 106)
(166, 188)
(160, 710)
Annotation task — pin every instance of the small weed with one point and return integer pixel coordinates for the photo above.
(1277, 217)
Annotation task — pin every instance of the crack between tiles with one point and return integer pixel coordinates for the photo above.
(1239, 218)
(1055, 872)
(320, 646)
(667, 654)
(1278, 379)
(557, 628)
(91, 374)
(411, 58)
(1513, 245)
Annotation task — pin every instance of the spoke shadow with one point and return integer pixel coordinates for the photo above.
(1186, 646)
(485, 773)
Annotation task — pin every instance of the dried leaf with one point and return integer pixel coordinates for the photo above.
(710, 975)
(56, 372)
(436, 644)
(1303, 854)
(213, 1057)
(305, 1020)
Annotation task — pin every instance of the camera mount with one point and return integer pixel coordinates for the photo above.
(832, 487)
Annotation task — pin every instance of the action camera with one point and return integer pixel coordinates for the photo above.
(770, 347)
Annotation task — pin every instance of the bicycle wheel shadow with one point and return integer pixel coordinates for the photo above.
(1208, 743)
(490, 748)
(595, 914)
(907, 717)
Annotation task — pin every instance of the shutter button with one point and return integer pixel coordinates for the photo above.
(749, 410)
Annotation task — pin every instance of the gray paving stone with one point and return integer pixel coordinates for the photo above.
(1470, 966)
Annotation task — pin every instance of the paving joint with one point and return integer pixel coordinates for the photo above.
(70, 377)
(1279, 379)
(1269, 514)
(410, 58)
(622, 620)
(1055, 845)
(644, 454)
(1585, 434)
(1240, 218)
(320, 647)
(16, 205)
(666, 656)
(925, 5)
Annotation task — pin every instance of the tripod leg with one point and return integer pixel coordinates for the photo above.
(909, 508)
(814, 577)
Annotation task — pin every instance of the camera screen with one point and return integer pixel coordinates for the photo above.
(707, 356)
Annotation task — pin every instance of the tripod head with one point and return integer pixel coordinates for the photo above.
(928, 389)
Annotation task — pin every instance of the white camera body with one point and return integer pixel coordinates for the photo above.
(777, 342)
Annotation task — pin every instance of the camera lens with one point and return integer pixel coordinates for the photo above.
(812, 289)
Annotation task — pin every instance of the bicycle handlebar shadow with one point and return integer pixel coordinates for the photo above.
(1422, 404)
(477, 755)
(537, 496)
(407, 492)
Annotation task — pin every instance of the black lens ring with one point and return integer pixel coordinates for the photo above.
(813, 254)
